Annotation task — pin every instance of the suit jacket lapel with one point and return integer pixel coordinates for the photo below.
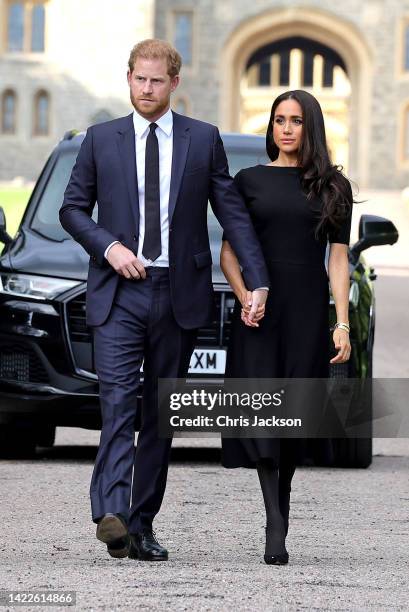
(181, 142)
(126, 146)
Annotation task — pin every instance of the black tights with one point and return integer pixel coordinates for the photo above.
(286, 473)
(276, 486)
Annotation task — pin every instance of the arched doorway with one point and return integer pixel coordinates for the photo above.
(304, 32)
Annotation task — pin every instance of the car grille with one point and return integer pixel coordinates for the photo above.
(19, 362)
(216, 334)
(79, 332)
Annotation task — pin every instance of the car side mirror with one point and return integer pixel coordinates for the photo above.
(4, 236)
(374, 231)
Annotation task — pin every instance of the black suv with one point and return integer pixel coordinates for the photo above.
(47, 376)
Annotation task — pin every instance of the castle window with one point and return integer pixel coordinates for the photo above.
(183, 35)
(26, 26)
(8, 112)
(15, 27)
(41, 114)
(37, 28)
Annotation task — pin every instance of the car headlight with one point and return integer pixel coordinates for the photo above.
(36, 287)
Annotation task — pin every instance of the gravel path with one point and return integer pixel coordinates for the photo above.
(348, 539)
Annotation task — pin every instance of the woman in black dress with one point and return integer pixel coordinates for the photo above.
(298, 203)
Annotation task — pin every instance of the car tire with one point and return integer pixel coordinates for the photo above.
(350, 452)
(17, 441)
(45, 436)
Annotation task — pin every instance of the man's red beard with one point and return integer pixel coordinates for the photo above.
(153, 108)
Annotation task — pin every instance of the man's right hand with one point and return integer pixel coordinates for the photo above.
(125, 262)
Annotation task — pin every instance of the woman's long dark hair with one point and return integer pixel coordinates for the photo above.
(319, 176)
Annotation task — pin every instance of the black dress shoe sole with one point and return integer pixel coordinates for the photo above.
(134, 554)
(276, 559)
(114, 534)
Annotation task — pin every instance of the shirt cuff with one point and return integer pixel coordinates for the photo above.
(109, 246)
(266, 288)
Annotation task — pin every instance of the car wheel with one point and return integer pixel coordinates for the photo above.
(355, 452)
(346, 452)
(17, 441)
(45, 436)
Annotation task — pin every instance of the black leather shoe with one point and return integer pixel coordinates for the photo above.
(113, 531)
(145, 546)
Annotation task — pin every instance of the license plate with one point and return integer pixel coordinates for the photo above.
(208, 361)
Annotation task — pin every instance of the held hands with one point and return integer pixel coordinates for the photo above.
(253, 306)
(125, 263)
(342, 344)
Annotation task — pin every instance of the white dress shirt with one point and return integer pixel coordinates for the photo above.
(164, 133)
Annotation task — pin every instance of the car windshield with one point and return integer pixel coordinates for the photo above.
(46, 220)
(238, 159)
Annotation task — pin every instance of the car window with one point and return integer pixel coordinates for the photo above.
(238, 159)
(46, 219)
(242, 158)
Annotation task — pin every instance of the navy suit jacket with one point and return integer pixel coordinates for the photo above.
(105, 171)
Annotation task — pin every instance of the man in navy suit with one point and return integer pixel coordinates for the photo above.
(149, 284)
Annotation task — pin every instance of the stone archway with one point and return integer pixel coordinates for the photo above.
(325, 28)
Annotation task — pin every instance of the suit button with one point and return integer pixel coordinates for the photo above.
(93, 258)
(170, 229)
(134, 238)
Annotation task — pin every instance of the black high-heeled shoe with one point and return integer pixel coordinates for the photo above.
(279, 558)
(276, 559)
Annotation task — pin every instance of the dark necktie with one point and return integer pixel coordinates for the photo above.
(152, 241)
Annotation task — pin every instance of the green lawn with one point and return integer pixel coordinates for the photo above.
(14, 201)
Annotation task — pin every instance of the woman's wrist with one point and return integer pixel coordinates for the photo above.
(342, 325)
(344, 321)
(242, 295)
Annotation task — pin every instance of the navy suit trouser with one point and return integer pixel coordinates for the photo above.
(141, 326)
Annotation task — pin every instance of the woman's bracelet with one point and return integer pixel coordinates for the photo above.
(344, 326)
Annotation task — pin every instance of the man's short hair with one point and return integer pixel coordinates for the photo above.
(154, 48)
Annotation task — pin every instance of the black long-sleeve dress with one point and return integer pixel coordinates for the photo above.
(292, 340)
